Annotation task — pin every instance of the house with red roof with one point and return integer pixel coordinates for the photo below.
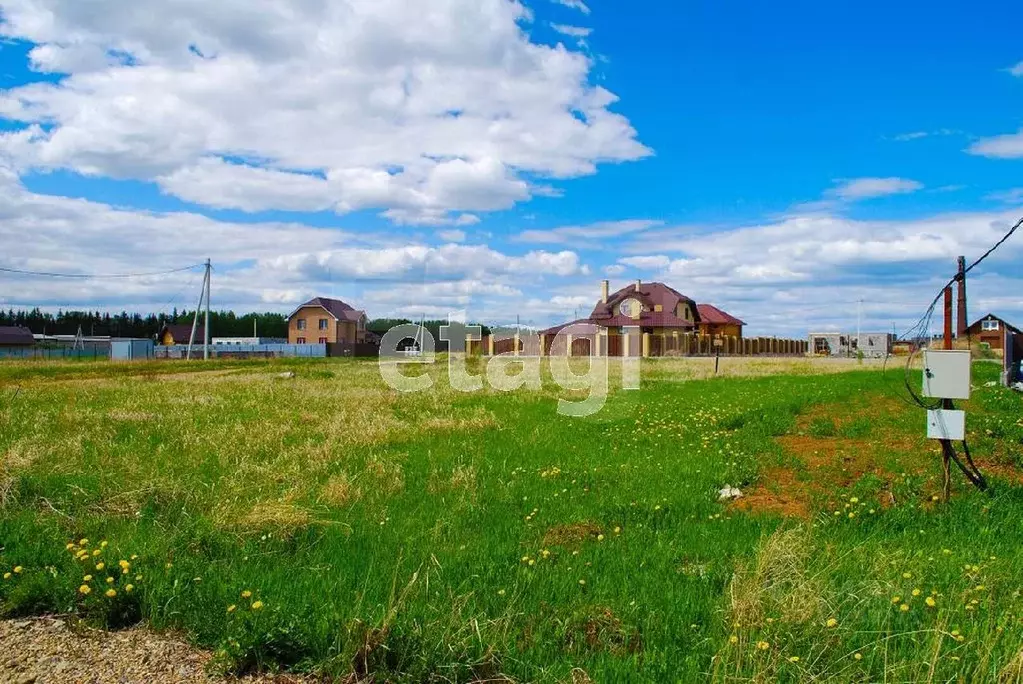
(324, 320)
(658, 309)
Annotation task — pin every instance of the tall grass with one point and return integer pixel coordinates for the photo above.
(325, 523)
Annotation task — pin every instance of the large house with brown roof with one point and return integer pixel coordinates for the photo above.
(991, 330)
(658, 309)
(324, 320)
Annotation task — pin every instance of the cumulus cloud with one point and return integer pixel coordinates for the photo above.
(1007, 146)
(257, 265)
(646, 263)
(866, 188)
(420, 108)
(583, 236)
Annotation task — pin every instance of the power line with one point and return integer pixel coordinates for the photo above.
(47, 274)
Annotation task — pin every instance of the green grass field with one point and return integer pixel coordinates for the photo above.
(325, 523)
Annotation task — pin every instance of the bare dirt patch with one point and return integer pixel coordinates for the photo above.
(571, 535)
(830, 461)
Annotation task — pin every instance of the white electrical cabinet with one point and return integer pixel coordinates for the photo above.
(947, 374)
(946, 424)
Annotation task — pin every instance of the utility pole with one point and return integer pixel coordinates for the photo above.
(206, 347)
(961, 321)
(204, 292)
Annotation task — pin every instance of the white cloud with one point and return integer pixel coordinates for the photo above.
(1007, 146)
(256, 265)
(574, 4)
(572, 31)
(1016, 70)
(1010, 196)
(452, 235)
(646, 263)
(614, 269)
(583, 236)
(866, 188)
(423, 108)
(915, 135)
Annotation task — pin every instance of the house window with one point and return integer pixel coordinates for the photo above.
(989, 325)
(323, 324)
(658, 308)
(323, 340)
(301, 324)
(300, 340)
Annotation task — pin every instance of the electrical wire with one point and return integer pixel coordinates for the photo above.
(47, 274)
(916, 333)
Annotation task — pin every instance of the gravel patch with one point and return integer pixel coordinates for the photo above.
(46, 650)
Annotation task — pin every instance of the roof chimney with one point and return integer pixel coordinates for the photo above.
(961, 322)
(637, 285)
(604, 286)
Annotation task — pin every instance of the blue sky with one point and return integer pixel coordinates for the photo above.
(782, 162)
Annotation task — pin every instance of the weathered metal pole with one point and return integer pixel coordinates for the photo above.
(206, 346)
(961, 321)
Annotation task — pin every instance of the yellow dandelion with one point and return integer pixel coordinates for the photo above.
(532, 562)
(793, 659)
(600, 537)
(100, 566)
(582, 582)
(916, 592)
(257, 605)
(138, 578)
(858, 656)
(618, 530)
(763, 645)
(17, 569)
(896, 599)
(70, 546)
(87, 578)
(930, 601)
(246, 594)
(500, 592)
(83, 542)
(904, 607)
(907, 575)
(832, 622)
(733, 639)
(103, 544)
(124, 571)
(128, 588)
(84, 589)
(854, 500)
(110, 593)
(231, 608)
(124, 563)
(96, 552)
(110, 580)
(7, 575)
(134, 556)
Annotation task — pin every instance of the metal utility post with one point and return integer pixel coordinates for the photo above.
(206, 346)
(961, 321)
(195, 318)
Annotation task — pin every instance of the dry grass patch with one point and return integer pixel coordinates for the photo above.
(340, 490)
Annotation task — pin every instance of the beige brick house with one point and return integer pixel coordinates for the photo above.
(324, 320)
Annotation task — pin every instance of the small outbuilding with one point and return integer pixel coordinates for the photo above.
(15, 336)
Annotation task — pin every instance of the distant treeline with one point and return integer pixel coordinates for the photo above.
(222, 323)
(124, 324)
(382, 325)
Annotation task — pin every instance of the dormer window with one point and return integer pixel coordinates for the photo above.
(989, 324)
